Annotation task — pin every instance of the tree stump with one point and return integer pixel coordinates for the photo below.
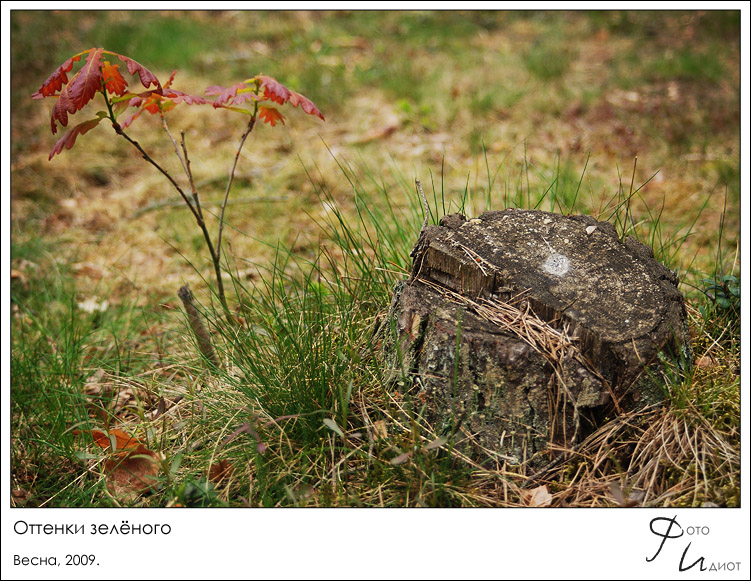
(521, 331)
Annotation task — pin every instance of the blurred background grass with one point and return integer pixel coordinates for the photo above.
(435, 91)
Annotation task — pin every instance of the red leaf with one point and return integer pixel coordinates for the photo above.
(113, 80)
(57, 79)
(154, 102)
(278, 93)
(180, 97)
(125, 123)
(305, 104)
(229, 96)
(137, 100)
(171, 78)
(274, 90)
(270, 115)
(67, 140)
(145, 101)
(147, 77)
(81, 89)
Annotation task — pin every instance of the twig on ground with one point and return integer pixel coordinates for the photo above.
(199, 329)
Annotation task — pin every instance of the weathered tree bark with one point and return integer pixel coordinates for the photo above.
(526, 329)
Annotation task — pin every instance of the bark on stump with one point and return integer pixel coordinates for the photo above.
(526, 329)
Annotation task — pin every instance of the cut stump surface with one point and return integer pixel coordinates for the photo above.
(520, 331)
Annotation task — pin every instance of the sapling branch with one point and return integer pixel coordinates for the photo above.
(119, 130)
(174, 144)
(246, 133)
(99, 77)
(216, 253)
(195, 207)
(189, 173)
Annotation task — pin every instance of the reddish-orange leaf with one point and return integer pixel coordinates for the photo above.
(125, 123)
(139, 99)
(57, 79)
(143, 101)
(270, 115)
(305, 104)
(169, 81)
(124, 443)
(67, 140)
(113, 80)
(180, 97)
(81, 89)
(160, 103)
(147, 77)
(156, 104)
(228, 96)
(278, 93)
(274, 90)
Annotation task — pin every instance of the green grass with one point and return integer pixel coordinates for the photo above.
(303, 378)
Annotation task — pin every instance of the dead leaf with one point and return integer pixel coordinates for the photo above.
(537, 497)
(400, 459)
(379, 430)
(221, 470)
(19, 276)
(132, 468)
(635, 497)
(706, 361)
(133, 474)
(19, 496)
(119, 442)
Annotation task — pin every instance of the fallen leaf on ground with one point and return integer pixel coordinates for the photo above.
(400, 459)
(119, 442)
(220, 471)
(635, 497)
(379, 429)
(706, 361)
(133, 475)
(19, 496)
(537, 497)
(132, 468)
